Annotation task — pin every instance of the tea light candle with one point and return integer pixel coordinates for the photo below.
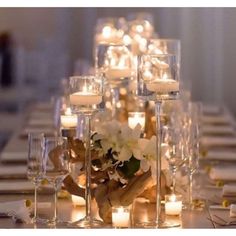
(68, 120)
(109, 35)
(118, 72)
(77, 200)
(85, 98)
(173, 204)
(120, 217)
(136, 118)
(163, 86)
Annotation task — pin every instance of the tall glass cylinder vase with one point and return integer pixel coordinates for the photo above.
(158, 80)
(115, 63)
(86, 94)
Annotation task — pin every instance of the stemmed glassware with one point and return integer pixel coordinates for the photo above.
(158, 80)
(56, 166)
(35, 168)
(194, 132)
(175, 150)
(115, 63)
(165, 46)
(86, 94)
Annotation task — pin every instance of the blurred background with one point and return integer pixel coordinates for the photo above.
(41, 46)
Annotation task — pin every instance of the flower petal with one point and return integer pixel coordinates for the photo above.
(144, 165)
(125, 154)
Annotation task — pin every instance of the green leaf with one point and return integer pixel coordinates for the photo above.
(129, 168)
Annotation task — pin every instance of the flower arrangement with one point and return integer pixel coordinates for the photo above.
(127, 163)
(124, 166)
(122, 152)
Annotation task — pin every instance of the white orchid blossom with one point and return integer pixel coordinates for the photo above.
(120, 138)
(129, 142)
(125, 143)
(147, 156)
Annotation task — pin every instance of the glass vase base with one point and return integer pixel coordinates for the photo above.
(87, 223)
(169, 224)
(159, 225)
(38, 220)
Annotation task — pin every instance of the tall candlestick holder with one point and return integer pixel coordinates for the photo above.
(86, 94)
(158, 80)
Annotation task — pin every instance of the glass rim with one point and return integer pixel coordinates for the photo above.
(161, 55)
(84, 77)
(36, 134)
(118, 44)
(136, 112)
(166, 39)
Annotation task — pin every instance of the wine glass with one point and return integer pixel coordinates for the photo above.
(175, 151)
(158, 80)
(86, 95)
(56, 165)
(195, 110)
(115, 63)
(35, 169)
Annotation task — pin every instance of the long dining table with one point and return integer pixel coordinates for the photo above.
(12, 183)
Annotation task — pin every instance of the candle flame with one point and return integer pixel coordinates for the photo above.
(68, 111)
(120, 210)
(139, 28)
(165, 76)
(106, 31)
(85, 89)
(173, 198)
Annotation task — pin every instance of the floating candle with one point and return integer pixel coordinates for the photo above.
(118, 72)
(85, 98)
(163, 85)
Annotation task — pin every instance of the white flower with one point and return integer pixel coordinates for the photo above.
(108, 134)
(128, 142)
(147, 156)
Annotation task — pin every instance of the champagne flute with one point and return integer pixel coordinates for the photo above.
(194, 137)
(35, 169)
(56, 165)
(86, 94)
(175, 150)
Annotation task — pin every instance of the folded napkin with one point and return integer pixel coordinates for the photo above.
(217, 119)
(218, 130)
(32, 129)
(221, 155)
(40, 122)
(17, 209)
(226, 173)
(14, 156)
(208, 141)
(229, 190)
(19, 171)
(211, 109)
(232, 212)
(16, 187)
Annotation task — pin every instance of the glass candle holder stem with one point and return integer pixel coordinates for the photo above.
(190, 195)
(158, 161)
(88, 167)
(36, 184)
(115, 99)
